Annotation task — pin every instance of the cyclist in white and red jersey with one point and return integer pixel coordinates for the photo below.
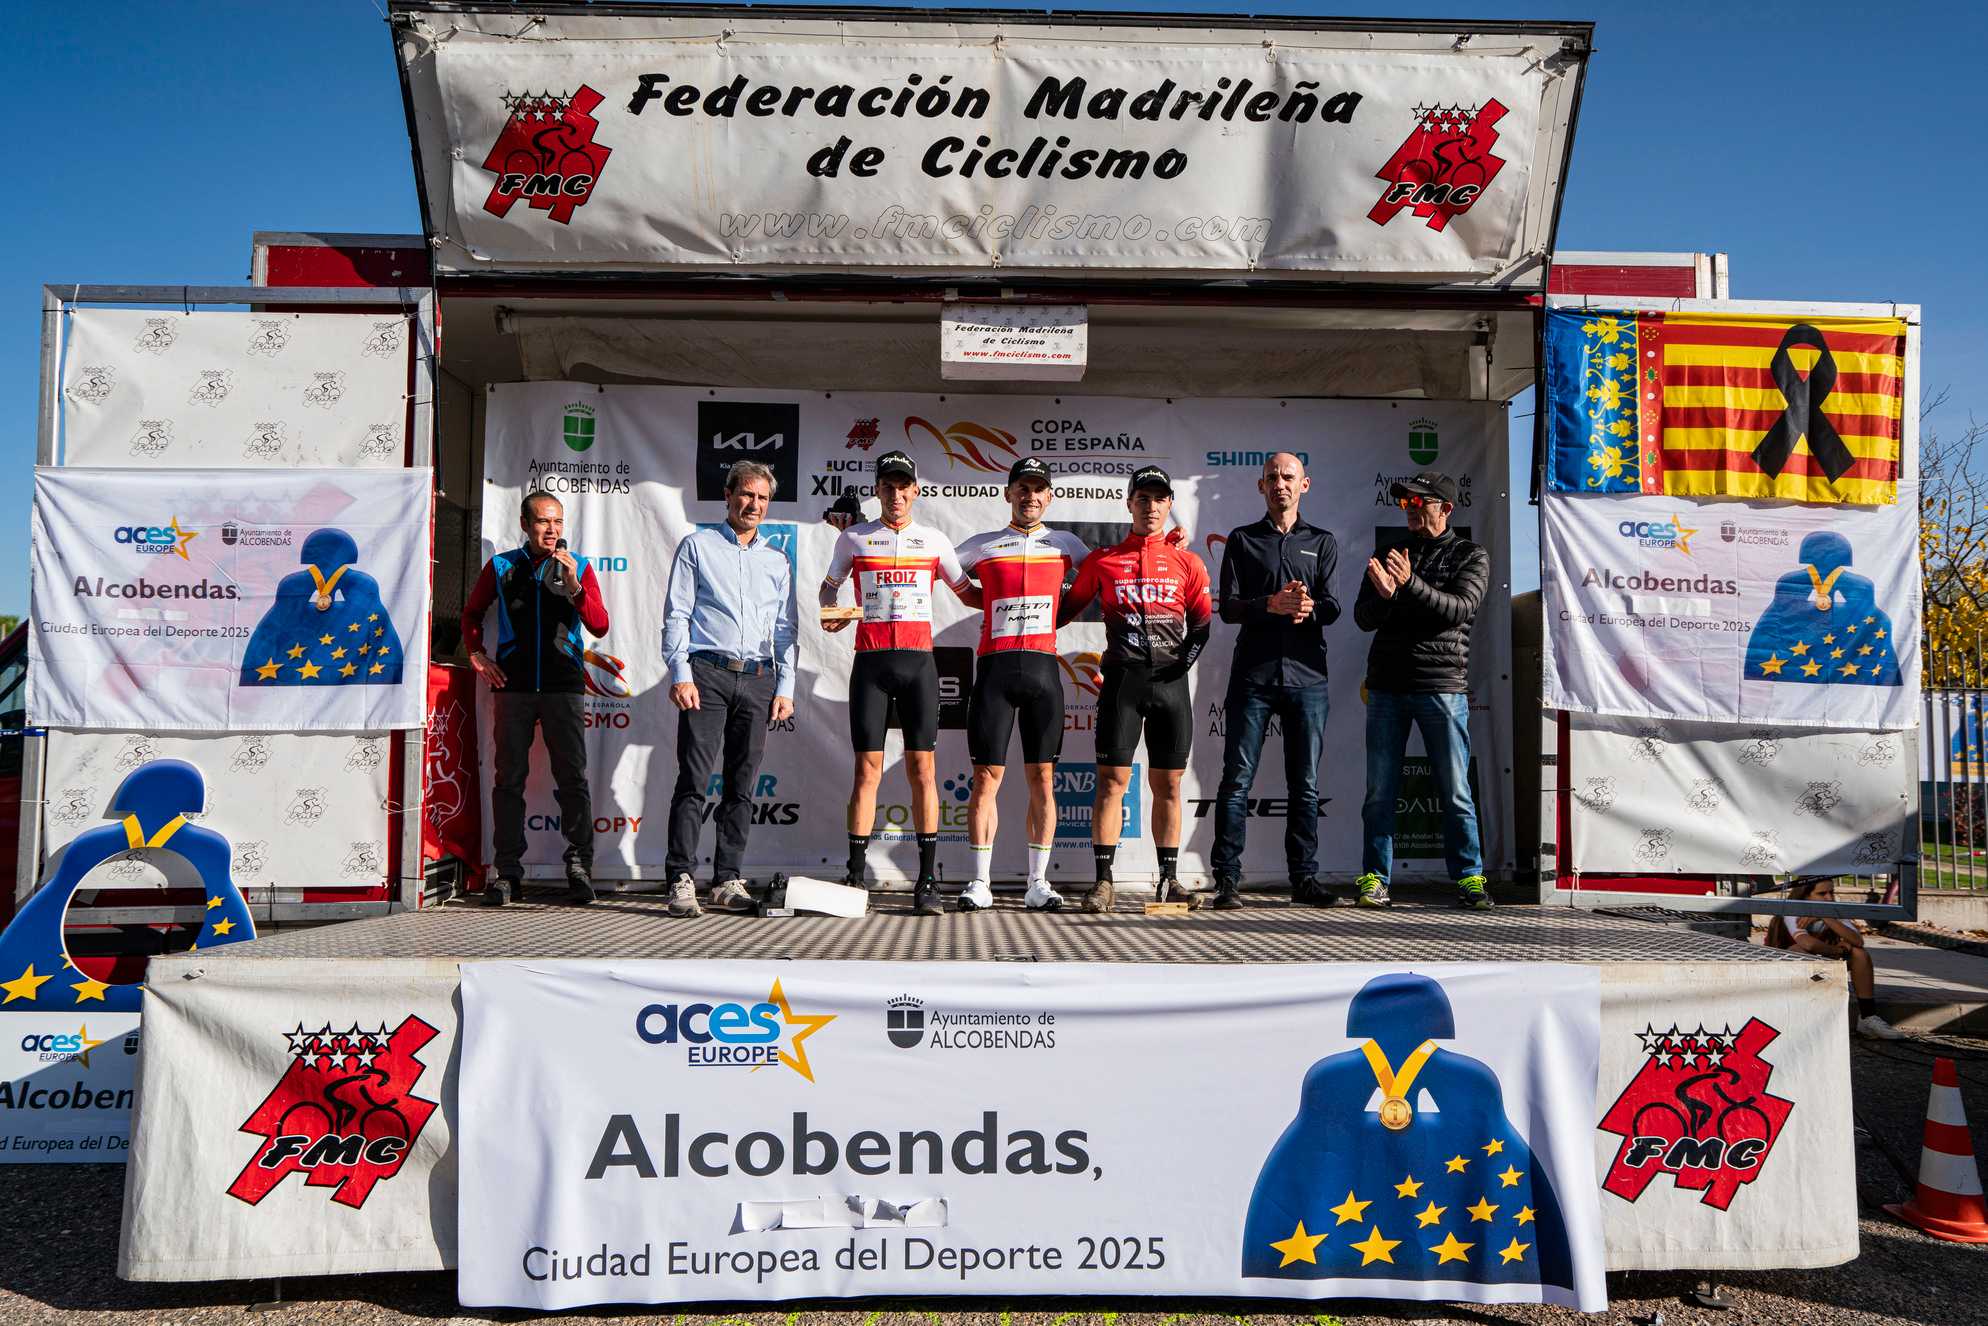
(1022, 569)
(1157, 609)
(895, 563)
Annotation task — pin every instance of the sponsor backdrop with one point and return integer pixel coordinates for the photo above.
(297, 810)
(1710, 799)
(215, 389)
(742, 1130)
(229, 600)
(1735, 612)
(638, 467)
(245, 1163)
(66, 1086)
(1012, 153)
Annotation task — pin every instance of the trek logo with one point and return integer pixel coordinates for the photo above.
(157, 540)
(765, 1034)
(732, 431)
(546, 154)
(1672, 533)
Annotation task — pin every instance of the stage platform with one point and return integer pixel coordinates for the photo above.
(638, 926)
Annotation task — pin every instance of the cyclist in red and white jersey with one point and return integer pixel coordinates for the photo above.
(1022, 569)
(895, 563)
(1157, 609)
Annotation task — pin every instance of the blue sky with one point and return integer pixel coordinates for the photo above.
(1826, 147)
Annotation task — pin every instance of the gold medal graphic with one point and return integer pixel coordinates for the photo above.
(324, 583)
(1396, 1112)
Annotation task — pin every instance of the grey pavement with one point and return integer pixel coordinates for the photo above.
(1925, 989)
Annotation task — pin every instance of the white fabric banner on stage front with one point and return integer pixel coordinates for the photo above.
(1733, 612)
(299, 808)
(661, 1132)
(218, 389)
(237, 600)
(1711, 799)
(66, 1087)
(639, 467)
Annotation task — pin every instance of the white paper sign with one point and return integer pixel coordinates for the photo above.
(1047, 342)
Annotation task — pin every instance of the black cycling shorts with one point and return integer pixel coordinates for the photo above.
(894, 688)
(1016, 682)
(1130, 696)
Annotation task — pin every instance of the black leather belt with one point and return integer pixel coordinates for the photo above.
(744, 667)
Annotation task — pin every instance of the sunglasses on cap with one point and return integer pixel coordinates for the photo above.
(1415, 502)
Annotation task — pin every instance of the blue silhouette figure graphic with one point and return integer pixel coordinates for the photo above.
(1824, 626)
(1430, 1182)
(152, 803)
(327, 626)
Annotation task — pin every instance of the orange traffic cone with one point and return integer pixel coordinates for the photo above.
(1948, 1203)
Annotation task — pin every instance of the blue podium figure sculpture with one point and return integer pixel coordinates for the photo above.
(327, 626)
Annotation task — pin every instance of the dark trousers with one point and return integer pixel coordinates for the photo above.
(1301, 711)
(562, 719)
(730, 719)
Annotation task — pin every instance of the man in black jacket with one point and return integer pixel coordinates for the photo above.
(1419, 601)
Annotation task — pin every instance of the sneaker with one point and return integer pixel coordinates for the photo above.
(579, 886)
(1100, 898)
(1172, 890)
(1306, 891)
(499, 891)
(976, 897)
(1372, 892)
(1470, 893)
(683, 897)
(925, 899)
(1041, 897)
(1877, 1029)
(1228, 894)
(732, 896)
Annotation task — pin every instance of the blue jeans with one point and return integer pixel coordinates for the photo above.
(1445, 724)
(1301, 710)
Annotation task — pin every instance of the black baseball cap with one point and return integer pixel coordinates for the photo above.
(1429, 483)
(1028, 467)
(1149, 476)
(896, 462)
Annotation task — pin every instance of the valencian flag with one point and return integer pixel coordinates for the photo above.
(1699, 405)
(1824, 626)
(1402, 1165)
(327, 626)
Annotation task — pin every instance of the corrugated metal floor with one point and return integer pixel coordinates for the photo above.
(1270, 931)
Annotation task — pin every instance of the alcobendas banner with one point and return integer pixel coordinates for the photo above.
(639, 467)
(651, 1132)
(231, 600)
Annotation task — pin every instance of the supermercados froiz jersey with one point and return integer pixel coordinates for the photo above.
(1154, 597)
(896, 571)
(1021, 575)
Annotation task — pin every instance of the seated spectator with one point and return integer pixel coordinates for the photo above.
(1835, 939)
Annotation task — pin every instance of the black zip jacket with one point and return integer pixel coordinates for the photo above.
(1422, 635)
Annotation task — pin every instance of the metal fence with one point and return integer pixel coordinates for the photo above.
(1953, 784)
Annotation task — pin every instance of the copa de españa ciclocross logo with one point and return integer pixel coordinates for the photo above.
(546, 153)
(730, 1034)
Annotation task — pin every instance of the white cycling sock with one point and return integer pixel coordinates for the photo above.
(1039, 861)
(983, 862)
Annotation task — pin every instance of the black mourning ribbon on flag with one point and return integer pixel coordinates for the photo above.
(1804, 413)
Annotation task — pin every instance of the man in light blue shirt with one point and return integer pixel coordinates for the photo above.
(728, 638)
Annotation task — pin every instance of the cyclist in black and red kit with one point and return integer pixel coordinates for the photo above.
(1157, 609)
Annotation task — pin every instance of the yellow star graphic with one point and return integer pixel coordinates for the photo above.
(67, 965)
(1771, 665)
(365, 649)
(1862, 650)
(1879, 633)
(324, 639)
(813, 1022)
(1848, 669)
(1853, 629)
(372, 616)
(269, 670)
(308, 671)
(1829, 639)
(1510, 1178)
(376, 669)
(87, 989)
(348, 669)
(1810, 668)
(353, 627)
(1514, 1251)
(1429, 1215)
(1869, 620)
(379, 630)
(1483, 1210)
(1493, 1147)
(1352, 1209)
(83, 1035)
(24, 985)
(185, 536)
(296, 651)
(1376, 1249)
(1680, 535)
(212, 903)
(1525, 1215)
(338, 652)
(1801, 647)
(1300, 1247)
(1836, 652)
(223, 927)
(1455, 1164)
(384, 651)
(1408, 1187)
(1449, 1250)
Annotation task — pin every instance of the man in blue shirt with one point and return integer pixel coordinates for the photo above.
(1276, 585)
(728, 638)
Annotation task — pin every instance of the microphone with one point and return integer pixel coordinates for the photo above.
(556, 577)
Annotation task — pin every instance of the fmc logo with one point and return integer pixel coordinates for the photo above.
(735, 1035)
(156, 540)
(546, 153)
(1672, 533)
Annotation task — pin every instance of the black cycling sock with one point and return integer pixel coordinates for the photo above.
(1104, 857)
(928, 855)
(1866, 1007)
(859, 847)
(1169, 862)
